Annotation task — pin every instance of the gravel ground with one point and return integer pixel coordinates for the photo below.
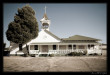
(55, 64)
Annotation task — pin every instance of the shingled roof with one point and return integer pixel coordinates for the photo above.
(79, 37)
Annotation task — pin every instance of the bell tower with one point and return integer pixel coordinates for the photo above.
(45, 22)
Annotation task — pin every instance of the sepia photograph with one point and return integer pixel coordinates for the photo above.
(55, 37)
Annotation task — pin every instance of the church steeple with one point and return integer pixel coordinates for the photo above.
(45, 21)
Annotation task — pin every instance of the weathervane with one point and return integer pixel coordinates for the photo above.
(45, 9)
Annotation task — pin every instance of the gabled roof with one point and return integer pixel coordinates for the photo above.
(45, 16)
(79, 37)
(52, 34)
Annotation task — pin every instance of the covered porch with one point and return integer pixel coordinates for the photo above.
(64, 48)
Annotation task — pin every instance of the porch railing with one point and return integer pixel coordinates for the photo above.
(33, 51)
(64, 51)
(56, 51)
(91, 51)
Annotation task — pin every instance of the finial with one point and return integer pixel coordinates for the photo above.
(45, 9)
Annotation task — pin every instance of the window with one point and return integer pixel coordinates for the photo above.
(70, 46)
(88, 46)
(35, 47)
(54, 47)
(81, 47)
(92, 46)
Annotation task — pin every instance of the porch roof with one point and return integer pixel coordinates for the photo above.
(52, 43)
(79, 37)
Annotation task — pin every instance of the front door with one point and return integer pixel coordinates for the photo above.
(44, 48)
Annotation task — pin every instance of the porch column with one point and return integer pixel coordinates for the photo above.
(93, 46)
(101, 48)
(67, 48)
(58, 46)
(29, 47)
(39, 47)
(98, 46)
(87, 50)
(87, 46)
(72, 47)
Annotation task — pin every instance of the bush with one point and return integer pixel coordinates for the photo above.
(85, 52)
(43, 55)
(51, 55)
(75, 54)
(32, 55)
(26, 55)
(95, 54)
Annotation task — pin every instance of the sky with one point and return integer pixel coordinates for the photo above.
(67, 19)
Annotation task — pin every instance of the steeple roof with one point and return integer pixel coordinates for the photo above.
(45, 16)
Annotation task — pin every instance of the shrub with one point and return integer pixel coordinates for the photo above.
(32, 55)
(75, 54)
(95, 54)
(85, 52)
(51, 55)
(43, 55)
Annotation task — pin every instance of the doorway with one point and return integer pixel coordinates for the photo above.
(44, 48)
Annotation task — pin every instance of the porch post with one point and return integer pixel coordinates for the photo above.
(29, 47)
(72, 47)
(87, 49)
(39, 47)
(93, 46)
(101, 48)
(87, 46)
(58, 46)
(67, 48)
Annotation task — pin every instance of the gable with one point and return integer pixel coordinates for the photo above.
(44, 37)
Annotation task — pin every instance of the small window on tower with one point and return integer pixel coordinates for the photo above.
(46, 26)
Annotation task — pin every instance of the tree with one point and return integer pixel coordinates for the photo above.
(24, 27)
(4, 45)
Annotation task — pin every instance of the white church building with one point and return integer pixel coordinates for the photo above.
(48, 43)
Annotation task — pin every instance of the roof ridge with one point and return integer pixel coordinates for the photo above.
(80, 37)
(52, 34)
(84, 36)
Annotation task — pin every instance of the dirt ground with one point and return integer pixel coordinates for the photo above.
(55, 64)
